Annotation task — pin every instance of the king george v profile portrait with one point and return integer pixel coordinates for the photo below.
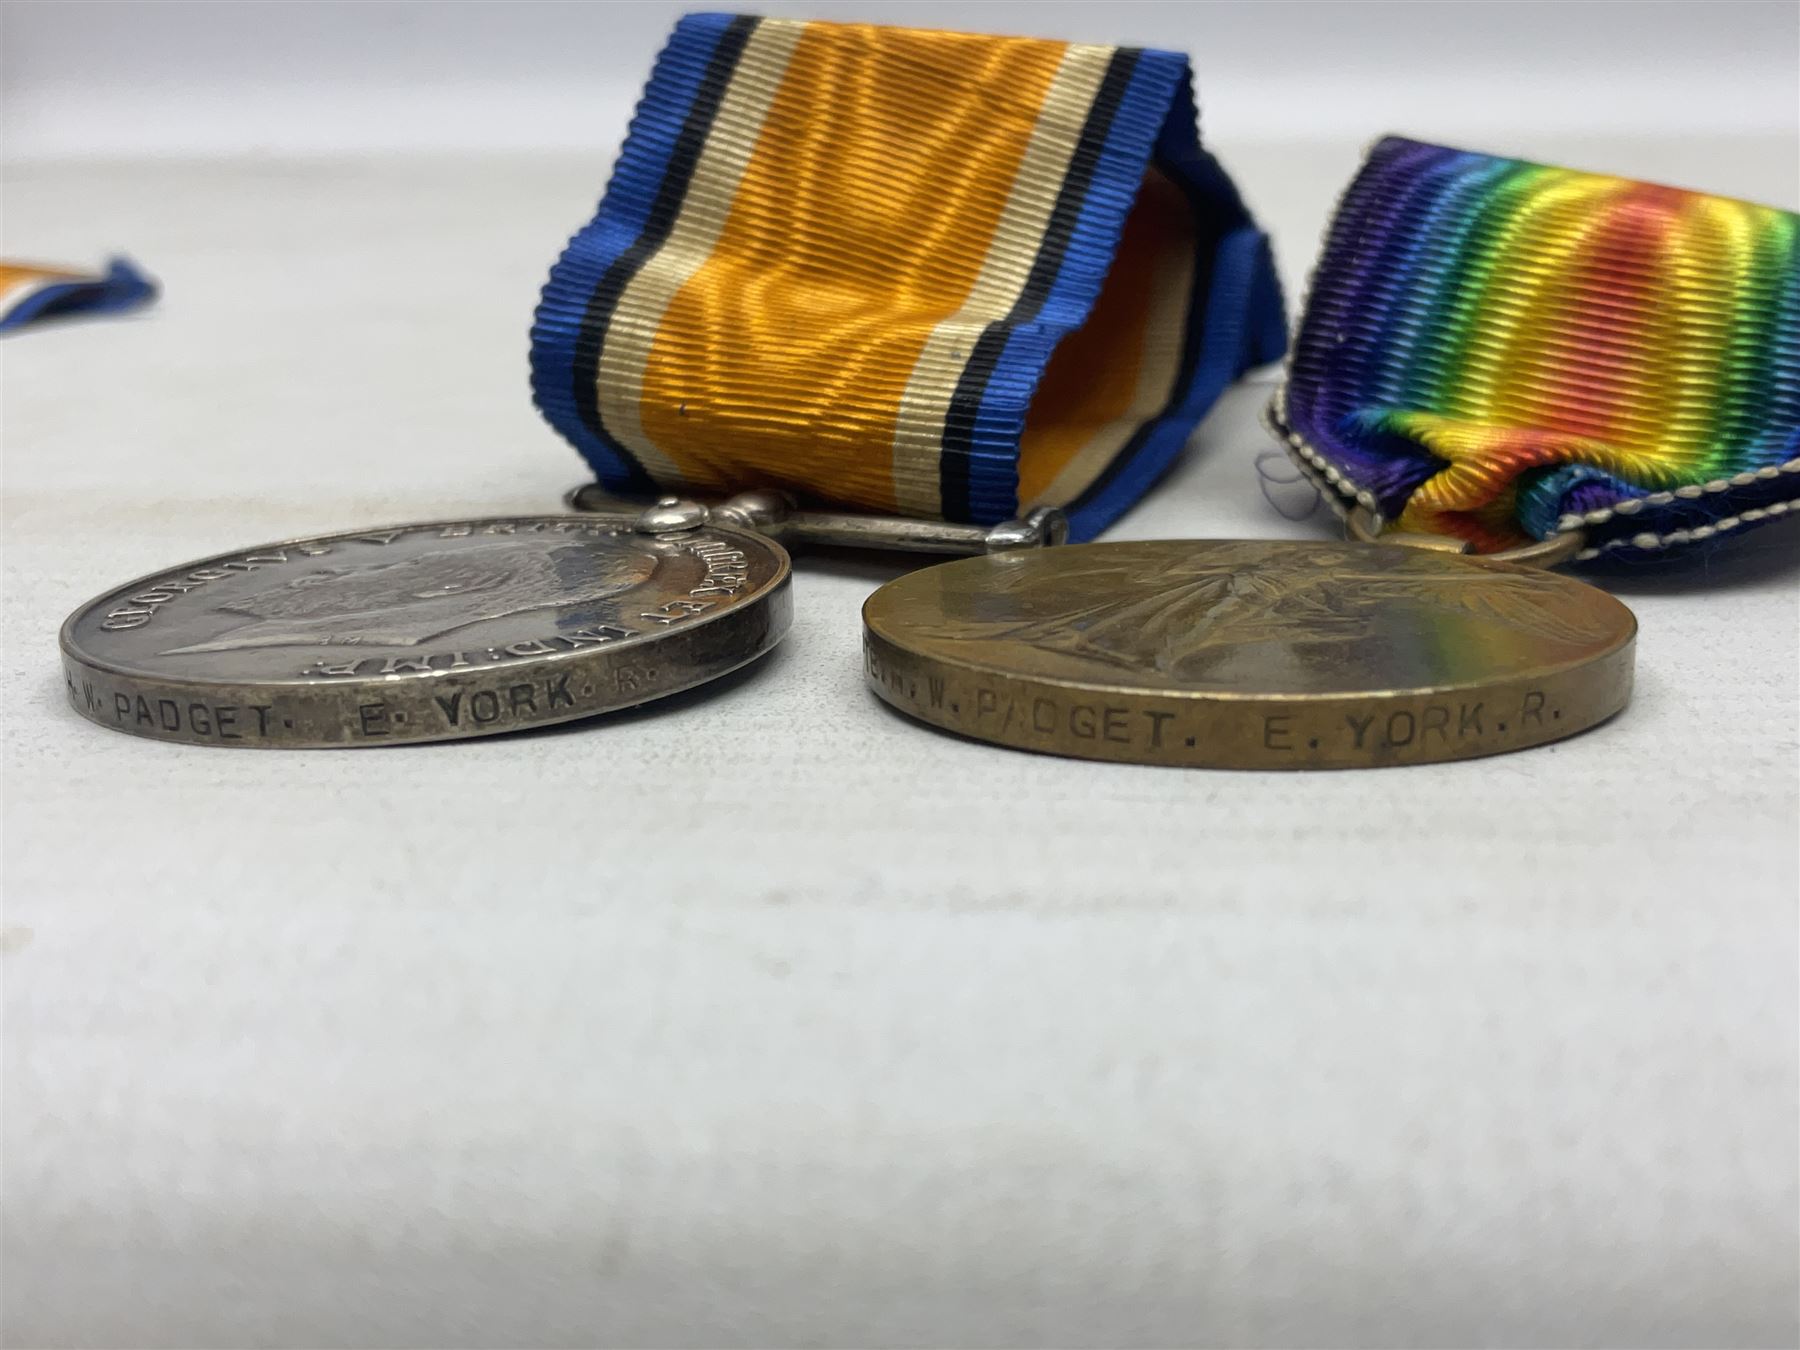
(406, 601)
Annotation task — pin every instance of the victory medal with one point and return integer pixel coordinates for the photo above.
(1250, 654)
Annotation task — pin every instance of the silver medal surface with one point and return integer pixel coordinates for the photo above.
(424, 632)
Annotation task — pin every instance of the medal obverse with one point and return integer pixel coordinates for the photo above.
(424, 632)
(1240, 654)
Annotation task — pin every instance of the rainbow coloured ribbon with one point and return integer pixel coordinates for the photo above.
(1504, 351)
(929, 273)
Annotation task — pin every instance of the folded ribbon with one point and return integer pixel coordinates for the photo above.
(920, 272)
(29, 292)
(1505, 351)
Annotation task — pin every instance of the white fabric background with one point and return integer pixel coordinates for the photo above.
(765, 1017)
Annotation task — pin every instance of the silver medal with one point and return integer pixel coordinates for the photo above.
(427, 632)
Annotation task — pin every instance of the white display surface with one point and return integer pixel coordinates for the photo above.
(766, 1017)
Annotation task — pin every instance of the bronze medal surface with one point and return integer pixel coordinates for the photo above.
(1249, 654)
(423, 632)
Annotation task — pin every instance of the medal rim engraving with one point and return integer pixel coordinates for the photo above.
(336, 713)
(1246, 727)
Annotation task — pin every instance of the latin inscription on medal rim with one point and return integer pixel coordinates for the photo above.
(423, 632)
(1249, 654)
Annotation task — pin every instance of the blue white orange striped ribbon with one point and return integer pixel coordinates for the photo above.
(933, 273)
(30, 292)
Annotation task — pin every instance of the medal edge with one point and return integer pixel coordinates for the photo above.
(771, 610)
(1613, 675)
(66, 642)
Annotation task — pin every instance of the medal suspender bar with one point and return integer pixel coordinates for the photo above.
(840, 265)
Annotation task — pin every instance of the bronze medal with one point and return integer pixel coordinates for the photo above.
(1241, 654)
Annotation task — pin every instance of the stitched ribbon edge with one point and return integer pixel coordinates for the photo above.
(1628, 528)
(1632, 527)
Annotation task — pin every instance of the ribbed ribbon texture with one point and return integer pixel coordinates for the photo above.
(1503, 351)
(906, 271)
